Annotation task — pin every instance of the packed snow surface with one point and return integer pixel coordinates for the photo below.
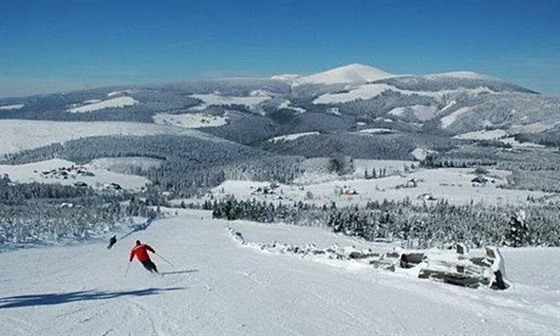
(353, 73)
(218, 287)
(18, 135)
(100, 105)
(190, 120)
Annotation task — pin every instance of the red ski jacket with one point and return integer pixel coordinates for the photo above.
(141, 252)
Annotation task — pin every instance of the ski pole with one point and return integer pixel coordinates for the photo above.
(125, 273)
(167, 261)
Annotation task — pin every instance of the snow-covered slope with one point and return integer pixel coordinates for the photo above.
(94, 105)
(452, 184)
(218, 99)
(217, 287)
(190, 120)
(50, 172)
(11, 107)
(17, 135)
(459, 74)
(352, 73)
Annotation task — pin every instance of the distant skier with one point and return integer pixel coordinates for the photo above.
(112, 242)
(141, 253)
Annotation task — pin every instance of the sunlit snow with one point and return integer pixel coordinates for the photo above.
(117, 102)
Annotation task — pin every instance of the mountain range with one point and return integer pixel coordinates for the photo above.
(356, 109)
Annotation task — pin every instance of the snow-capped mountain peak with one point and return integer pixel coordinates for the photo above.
(352, 74)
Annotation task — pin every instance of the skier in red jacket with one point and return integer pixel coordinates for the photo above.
(141, 253)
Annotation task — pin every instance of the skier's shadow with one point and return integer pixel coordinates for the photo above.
(62, 298)
(179, 272)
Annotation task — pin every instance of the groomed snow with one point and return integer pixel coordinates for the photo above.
(33, 172)
(12, 107)
(217, 287)
(18, 135)
(290, 137)
(190, 120)
(117, 102)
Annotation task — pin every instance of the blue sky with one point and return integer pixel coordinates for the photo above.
(54, 45)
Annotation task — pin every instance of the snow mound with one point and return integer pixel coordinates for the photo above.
(353, 74)
(446, 265)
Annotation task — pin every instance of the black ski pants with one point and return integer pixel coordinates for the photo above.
(149, 265)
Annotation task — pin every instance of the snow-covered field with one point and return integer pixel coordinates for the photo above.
(377, 130)
(41, 172)
(291, 137)
(450, 119)
(95, 105)
(369, 91)
(421, 112)
(482, 135)
(452, 184)
(11, 107)
(18, 135)
(190, 120)
(218, 287)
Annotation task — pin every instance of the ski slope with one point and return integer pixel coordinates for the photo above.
(219, 287)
